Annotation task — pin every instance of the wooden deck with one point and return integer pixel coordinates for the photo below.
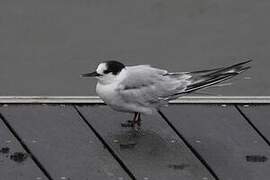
(86, 141)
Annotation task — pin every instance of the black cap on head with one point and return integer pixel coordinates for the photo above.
(114, 67)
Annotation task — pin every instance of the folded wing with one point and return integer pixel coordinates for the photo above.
(148, 86)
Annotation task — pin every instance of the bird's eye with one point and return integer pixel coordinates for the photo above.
(106, 72)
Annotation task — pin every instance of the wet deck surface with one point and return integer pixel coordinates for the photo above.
(191, 142)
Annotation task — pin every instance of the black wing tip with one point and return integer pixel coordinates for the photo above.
(221, 68)
(244, 62)
(220, 75)
(246, 67)
(239, 64)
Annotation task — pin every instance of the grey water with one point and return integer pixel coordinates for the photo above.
(46, 45)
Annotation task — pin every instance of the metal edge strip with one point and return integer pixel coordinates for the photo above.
(97, 100)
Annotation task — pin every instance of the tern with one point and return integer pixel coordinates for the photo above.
(143, 89)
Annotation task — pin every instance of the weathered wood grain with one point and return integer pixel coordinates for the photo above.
(224, 138)
(259, 116)
(154, 153)
(65, 146)
(15, 163)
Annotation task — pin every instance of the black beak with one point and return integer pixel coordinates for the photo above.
(92, 74)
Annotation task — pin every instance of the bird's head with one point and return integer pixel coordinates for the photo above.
(106, 72)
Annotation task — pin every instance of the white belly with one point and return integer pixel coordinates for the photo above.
(110, 96)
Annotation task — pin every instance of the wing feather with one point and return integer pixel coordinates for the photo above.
(148, 86)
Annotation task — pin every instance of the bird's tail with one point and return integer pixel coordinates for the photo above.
(207, 78)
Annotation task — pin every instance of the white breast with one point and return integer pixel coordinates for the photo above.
(109, 95)
(106, 92)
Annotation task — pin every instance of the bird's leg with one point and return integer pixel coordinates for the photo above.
(135, 119)
(131, 123)
(137, 122)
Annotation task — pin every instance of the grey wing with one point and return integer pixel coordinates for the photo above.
(148, 86)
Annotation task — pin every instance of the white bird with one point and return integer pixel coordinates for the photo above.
(143, 89)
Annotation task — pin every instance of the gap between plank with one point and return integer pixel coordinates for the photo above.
(196, 153)
(105, 144)
(252, 125)
(33, 157)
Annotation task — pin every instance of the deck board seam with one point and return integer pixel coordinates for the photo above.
(105, 144)
(25, 147)
(190, 147)
(252, 124)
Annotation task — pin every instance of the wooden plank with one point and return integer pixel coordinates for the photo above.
(259, 116)
(66, 147)
(154, 153)
(224, 138)
(15, 163)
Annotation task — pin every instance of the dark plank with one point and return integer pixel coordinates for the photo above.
(259, 115)
(224, 138)
(63, 143)
(154, 153)
(15, 163)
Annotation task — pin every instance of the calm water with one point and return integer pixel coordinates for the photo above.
(46, 45)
